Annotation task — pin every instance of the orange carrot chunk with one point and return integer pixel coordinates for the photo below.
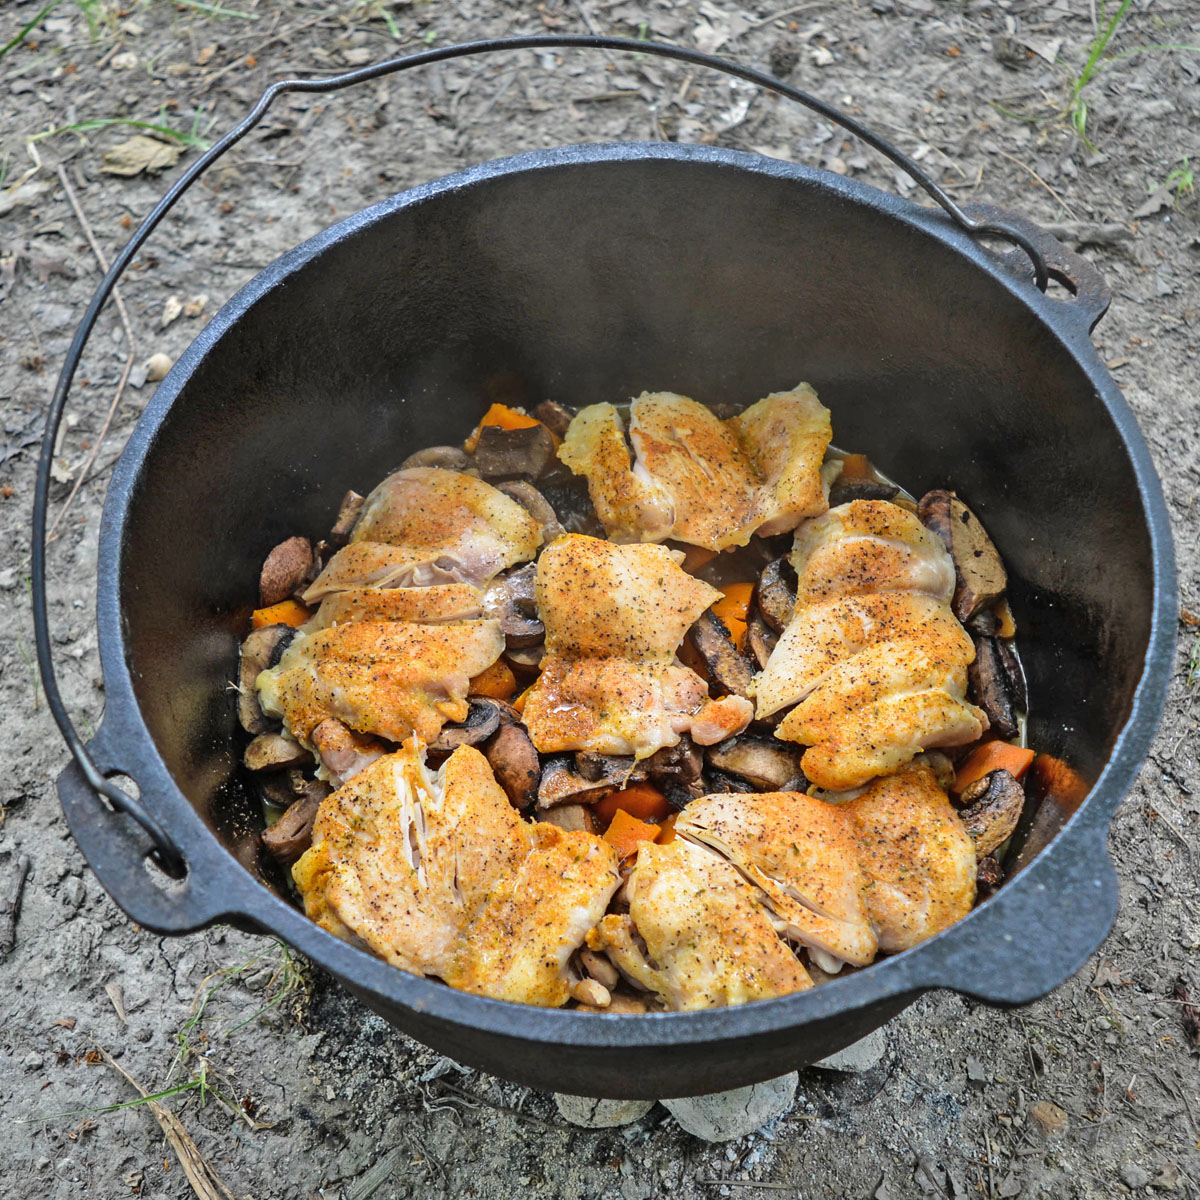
(286, 612)
(733, 607)
(497, 682)
(666, 831)
(638, 800)
(856, 466)
(626, 833)
(519, 702)
(992, 756)
(503, 417)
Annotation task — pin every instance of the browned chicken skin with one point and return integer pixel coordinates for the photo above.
(439, 875)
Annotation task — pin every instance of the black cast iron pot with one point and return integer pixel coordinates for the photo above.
(586, 274)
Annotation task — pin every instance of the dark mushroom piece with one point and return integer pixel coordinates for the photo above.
(483, 719)
(761, 639)
(682, 763)
(843, 491)
(619, 770)
(536, 505)
(766, 764)
(1014, 673)
(449, 458)
(729, 673)
(775, 594)
(988, 682)
(512, 600)
(989, 875)
(262, 649)
(274, 752)
(679, 795)
(525, 659)
(721, 783)
(980, 576)
(515, 764)
(574, 818)
(279, 790)
(286, 569)
(347, 518)
(556, 418)
(289, 837)
(562, 784)
(513, 453)
(993, 808)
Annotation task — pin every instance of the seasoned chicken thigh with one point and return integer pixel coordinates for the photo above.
(390, 678)
(439, 875)
(697, 933)
(698, 479)
(873, 653)
(434, 605)
(426, 525)
(917, 854)
(614, 617)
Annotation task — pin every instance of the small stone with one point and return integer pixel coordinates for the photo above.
(157, 366)
(858, 1056)
(74, 892)
(1049, 1117)
(600, 1114)
(723, 1116)
(32, 1061)
(8, 579)
(1167, 1179)
(1134, 1175)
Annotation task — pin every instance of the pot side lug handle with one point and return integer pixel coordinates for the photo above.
(1090, 295)
(117, 850)
(1039, 928)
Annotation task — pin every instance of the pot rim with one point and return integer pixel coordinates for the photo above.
(983, 941)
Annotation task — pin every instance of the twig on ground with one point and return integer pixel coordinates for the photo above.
(206, 1183)
(10, 906)
(1057, 195)
(128, 327)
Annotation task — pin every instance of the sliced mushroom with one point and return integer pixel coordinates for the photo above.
(278, 790)
(262, 649)
(289, 837)
(347, 518)
(989, 875)
(599, 968)
(775, 594)
(342, 751)
(761, 639)
(766, 764)
(1014, 673)
(515, 763)
(993, 808)
(526, 659)
(720, 783)
(483, 719)
(574, 818)
(682, 763)
(285, 570)
(536, 505)
(680, 795)
(989, 688)
(729, 673)
(274, 752)
(556, 418)
(513, 453)
(512, 601)
(562, 784)
(843, 491)
(619, 770)
(449, 458)
(981, 578)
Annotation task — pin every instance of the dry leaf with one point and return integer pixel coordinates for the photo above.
(172, 309)
(138, 154)
(205, 54)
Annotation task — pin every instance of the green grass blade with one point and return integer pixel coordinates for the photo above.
(216, 10)
(44, 12)
(81, 127)
(189, 1086)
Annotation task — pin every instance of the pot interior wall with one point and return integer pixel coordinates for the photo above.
(595, 281)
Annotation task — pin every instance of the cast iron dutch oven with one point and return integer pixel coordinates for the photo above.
(592, 273)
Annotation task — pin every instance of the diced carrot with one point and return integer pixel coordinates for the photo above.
(639, 800)
(666, 831)
(503, 417)
(1006, 626)
(856, 466)
(626, 833)
(992, 756)
(286, 612)
(497, 682)
(519, 702)
(733, 607)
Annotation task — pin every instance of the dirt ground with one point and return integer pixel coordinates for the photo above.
(289, 1088)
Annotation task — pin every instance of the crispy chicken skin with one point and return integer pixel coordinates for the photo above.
(873, 653)
(439, 875)
(614, 617)
(802, 854)
(697, 933)
(435, 605)
(390, 678)
(427, 525)
(698, 479)
(917, 855)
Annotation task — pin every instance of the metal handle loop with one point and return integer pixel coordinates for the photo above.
(169, 856)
